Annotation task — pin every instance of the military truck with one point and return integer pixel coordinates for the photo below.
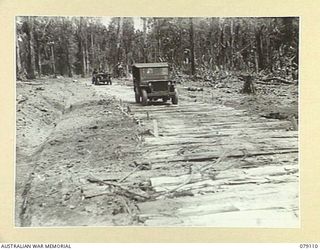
(151, 82)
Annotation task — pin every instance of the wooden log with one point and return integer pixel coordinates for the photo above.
(280, 80)
(225, 176)
(190, 148)
(271, 135)
(294, 123)
(207, 156)
(267, 83)
(155, 128)
(252, 200)
(234, 126)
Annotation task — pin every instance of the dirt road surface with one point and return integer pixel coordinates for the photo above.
(94, 157)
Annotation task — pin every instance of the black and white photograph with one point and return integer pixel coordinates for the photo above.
(157, 121)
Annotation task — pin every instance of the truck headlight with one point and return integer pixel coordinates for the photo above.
(149, 84)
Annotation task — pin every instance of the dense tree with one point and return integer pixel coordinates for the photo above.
(27, 28)
(77, 45)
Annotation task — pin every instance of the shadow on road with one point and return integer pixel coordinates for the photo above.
(151, 103)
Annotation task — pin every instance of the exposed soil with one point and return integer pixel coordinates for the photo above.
(275, 100)
(67, 132)
(87, 155)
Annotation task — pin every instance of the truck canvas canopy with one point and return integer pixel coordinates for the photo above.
(150, 65)
(151, 71)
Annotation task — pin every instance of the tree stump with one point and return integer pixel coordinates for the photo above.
(248, 87)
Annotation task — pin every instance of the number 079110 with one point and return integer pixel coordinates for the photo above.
(308, 245)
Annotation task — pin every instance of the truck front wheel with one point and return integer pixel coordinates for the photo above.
(137, 96)
(144, 97)
(174, 99)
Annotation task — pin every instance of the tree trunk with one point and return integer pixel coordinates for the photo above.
(32, 51)
(221, 46)
(87, 58)
(45, 51)
(18, 59)
(53, 63)
(288, 30)
(70, 74)
(259, 48)
(127, 62)
(248, 87)
(31, 54)
(145, 57)
(93, 59)
(82, 48)
(256, 61)
(232, 44)
(193, 69)
(268, 54)
(39, 62)
(84, 65)
(159, 40)
(212, 43)
(119, 37)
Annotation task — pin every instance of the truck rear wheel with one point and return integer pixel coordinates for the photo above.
(137, 96)
(96, 81)
(174, 99)
(144, 97)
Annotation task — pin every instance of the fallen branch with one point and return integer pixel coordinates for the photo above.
(114, 184)
(126, 206)
(21, 99)
(221, 158)
(96, 195)
(133, 171)
(247, 46)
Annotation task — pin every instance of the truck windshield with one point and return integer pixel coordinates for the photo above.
(154, 74)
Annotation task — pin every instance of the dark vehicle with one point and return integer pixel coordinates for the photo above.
(101, 77)
(151, 82)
